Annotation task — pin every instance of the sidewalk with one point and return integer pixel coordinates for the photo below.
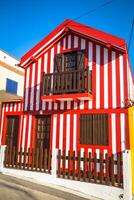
(32, 189)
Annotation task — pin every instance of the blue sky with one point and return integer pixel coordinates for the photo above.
(23, 23)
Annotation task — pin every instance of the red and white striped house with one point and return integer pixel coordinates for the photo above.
(78, 82)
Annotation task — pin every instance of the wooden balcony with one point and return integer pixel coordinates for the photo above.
(77, 81)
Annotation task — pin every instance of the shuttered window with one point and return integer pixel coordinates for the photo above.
(94, 129)
(70, 61)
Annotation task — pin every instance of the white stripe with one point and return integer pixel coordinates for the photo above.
(45, 45)
(90, 55)
(68, 133)
(50, 105)
(90, 104)
(55, 106)
(43, 105)
(38, 85)
(54, 132)
(113, 133)
(97, 76)
(61, 133)
(58, 47)
(29, 131)
(105, 78)
(121, 81)
(7, 107)
(15, 107)
(45, 62)
(82, 104)
(11, 107)
(74, 132)
(98, 156)
(2, 123)
(82, 155)
(75, 42)
(122, 126)
(24, 133)
(19, 105)
(69, 42)
(75, 105)
(62, 105)
(32, 87)
(83, 44)
(64, 43)
(52, 61)
(113, 80)
(68, 105)
(27, 88)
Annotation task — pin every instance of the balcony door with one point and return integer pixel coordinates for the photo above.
(12, 131)
(42, 136)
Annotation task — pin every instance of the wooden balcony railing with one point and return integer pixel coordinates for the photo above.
(77, 81)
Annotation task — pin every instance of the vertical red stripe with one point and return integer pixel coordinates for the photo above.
(118, 133)
(26, 134)
(41, 79)
(125, 77)
(51, 130)
(58, 130)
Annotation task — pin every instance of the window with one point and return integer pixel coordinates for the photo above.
(70, 61)
(94, 129)
(11, 86)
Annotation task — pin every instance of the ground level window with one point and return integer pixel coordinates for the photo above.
(94, 129)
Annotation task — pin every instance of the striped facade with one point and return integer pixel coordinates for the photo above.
(112, 86)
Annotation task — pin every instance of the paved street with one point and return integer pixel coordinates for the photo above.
(16, 189)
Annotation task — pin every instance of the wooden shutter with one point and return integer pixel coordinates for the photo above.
(58, 62)
(94, 129)
(80, 59)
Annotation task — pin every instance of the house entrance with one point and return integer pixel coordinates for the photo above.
(12, 131)
(42, 136)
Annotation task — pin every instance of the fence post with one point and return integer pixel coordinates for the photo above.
(54, 162)
(127, 176)
(2, 156)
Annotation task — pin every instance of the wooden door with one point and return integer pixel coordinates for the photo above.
(42, 137)
(12, 131)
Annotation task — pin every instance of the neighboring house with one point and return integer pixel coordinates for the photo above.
(78, 84)
(11, 75)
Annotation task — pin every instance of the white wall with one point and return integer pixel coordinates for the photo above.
(6, 73)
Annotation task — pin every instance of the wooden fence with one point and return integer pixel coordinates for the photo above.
(88, 168)
(34, 160)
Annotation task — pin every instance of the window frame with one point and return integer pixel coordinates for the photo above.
(95, 145)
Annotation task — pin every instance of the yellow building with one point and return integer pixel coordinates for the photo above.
(131, 131)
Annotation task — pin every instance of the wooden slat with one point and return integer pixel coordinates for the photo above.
(79, 171)
(101, 168)
(95, 167)
(74, 165)
(112, 170)
(20, 158)
(33, 159)
(119, 169)
(45, 160)
(107, 169)
(59, 163)
(29, 159)
(89, 167)
(84, 167)
(49, 161)
(63, 163)
(24, 159)
(69, 158)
